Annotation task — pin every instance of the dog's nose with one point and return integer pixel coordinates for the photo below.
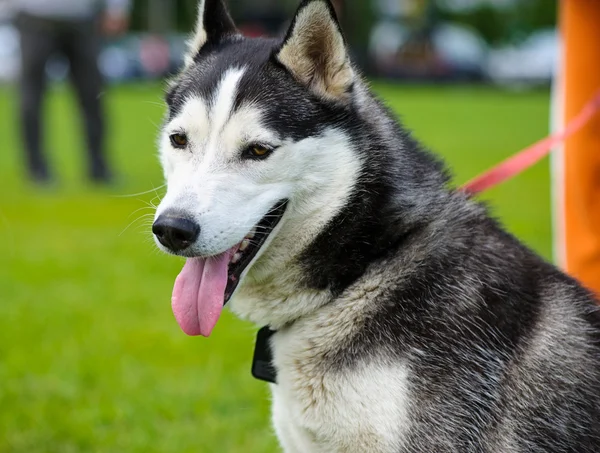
(175, 233)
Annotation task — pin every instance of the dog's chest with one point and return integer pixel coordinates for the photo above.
(317, 408)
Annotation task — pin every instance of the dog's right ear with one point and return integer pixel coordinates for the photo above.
(214, 23)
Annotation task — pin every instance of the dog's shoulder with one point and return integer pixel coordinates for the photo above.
(476, 321)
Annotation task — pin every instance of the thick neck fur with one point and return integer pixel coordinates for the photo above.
(395, 192)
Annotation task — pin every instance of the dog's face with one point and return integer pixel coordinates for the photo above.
(253, 152)
(225, 168)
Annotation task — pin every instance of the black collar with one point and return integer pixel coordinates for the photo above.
(262, 364)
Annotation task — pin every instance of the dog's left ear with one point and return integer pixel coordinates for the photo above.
(315, 52)
(214, 23)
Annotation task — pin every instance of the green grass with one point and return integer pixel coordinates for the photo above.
(91, 359)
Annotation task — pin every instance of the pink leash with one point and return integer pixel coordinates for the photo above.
(532, 154)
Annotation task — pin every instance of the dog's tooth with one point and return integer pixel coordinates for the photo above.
(236, 258)
(251, 234)
(244, 245)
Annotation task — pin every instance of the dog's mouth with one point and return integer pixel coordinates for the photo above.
(205, 285)
(250, 246)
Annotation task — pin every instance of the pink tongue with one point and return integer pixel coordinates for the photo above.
(199, 293)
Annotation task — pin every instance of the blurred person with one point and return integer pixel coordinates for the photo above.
(71, 28)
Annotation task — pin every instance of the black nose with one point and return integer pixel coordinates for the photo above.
(175, 233)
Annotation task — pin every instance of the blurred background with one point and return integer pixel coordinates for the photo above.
(502, 42)
(91, 359)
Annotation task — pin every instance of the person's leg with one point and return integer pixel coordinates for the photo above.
(82, 46)
(37, 44)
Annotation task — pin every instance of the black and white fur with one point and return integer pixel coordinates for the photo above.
(407, 319)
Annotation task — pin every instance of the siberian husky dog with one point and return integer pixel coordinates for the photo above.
(405, 318)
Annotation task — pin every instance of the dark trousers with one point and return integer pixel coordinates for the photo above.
(79, 42)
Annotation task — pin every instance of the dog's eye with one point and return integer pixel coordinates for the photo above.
(179, 140)
(257, 152)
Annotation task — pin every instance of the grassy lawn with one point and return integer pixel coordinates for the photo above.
(91, 359)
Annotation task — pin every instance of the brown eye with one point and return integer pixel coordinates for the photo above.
(257, 152)
(179, 140)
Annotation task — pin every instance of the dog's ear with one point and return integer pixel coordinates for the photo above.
(315, 52)
(214, 23)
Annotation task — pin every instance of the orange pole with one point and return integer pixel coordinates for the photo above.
(577, 189)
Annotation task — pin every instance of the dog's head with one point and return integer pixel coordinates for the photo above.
(255, 152)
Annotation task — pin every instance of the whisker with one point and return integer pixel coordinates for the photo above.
(141, 193)
(153, 123)
(160, 104)
(140, 209)
(133, 221)
(148, 204)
